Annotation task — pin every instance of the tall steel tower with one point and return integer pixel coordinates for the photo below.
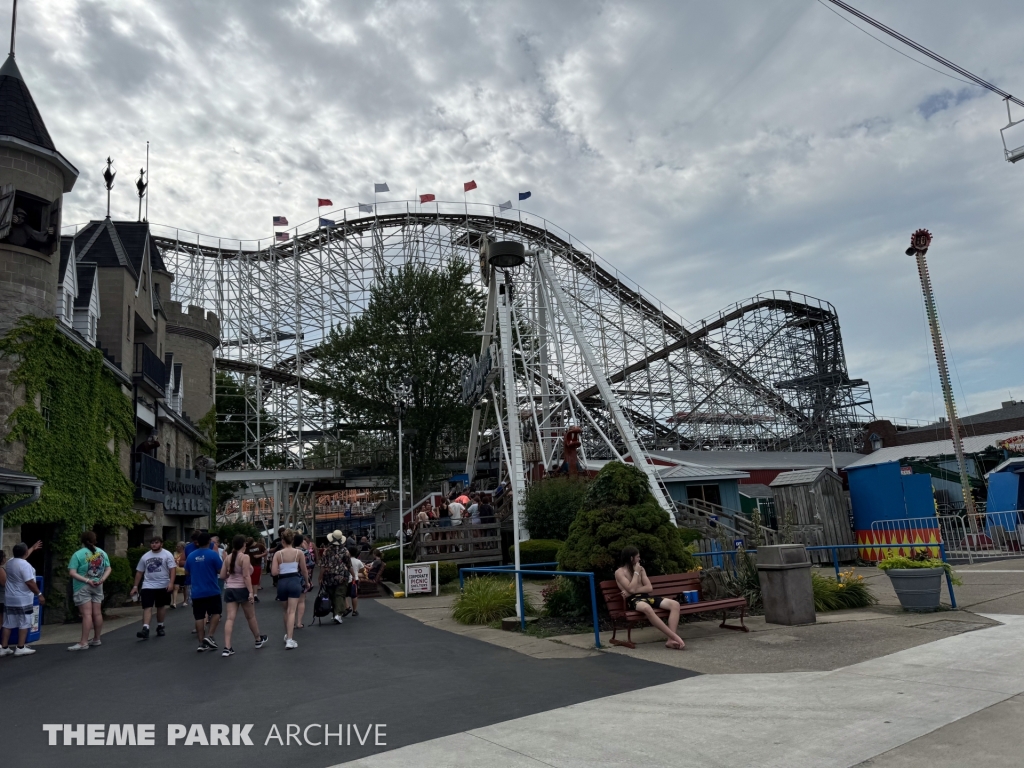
(919, 243)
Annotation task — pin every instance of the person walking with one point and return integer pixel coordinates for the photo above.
(156, 573)
(302, 544)
(191, 547)
(236, 572)
(336, 573)
(357, 569)
(88, 568)
(18, 579)
(289, 565)
(179, 573)
(256, 550)
(204, 565)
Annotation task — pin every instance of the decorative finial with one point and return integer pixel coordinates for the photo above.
(108, 178)
(14, 25)
(140, 185)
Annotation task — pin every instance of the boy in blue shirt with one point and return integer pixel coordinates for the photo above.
(204, 565)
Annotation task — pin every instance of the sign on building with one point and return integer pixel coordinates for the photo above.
(186, 492)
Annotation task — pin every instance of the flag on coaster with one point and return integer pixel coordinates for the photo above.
(280, 221)
(505, 206)
(468, 186)
(524, 195)
(426, 198)
(380, 188)
(366, 208)
(326, 222)
(281, 236)
(322, 202)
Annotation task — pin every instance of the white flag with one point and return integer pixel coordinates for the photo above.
(366, 208)
(377, 188)
(505, 206)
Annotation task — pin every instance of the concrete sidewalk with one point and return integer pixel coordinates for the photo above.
(834, 719)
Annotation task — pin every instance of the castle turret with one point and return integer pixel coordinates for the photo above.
(33, 179)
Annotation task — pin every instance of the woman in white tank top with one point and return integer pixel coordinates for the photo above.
(289, 566)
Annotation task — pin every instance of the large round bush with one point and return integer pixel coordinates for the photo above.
(552, 504)
(619, 510)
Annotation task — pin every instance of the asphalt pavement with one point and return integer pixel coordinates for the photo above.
(410, 681)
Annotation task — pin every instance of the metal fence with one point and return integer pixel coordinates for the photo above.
(992, 535)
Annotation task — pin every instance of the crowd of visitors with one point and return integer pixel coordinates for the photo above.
(214, 580)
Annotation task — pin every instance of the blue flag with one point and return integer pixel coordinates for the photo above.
(326, 222)
(523, 195)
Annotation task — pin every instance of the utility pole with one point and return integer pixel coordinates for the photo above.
(403, 392)
(919, 243)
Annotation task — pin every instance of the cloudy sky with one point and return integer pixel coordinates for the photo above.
(710, 151)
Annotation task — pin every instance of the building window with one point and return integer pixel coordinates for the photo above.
(876, 442)
(188, 460)
(44, 406)
(128, 323)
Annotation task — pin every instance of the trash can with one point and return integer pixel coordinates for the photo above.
(785, 574)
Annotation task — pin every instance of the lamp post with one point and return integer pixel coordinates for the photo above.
(403, 392)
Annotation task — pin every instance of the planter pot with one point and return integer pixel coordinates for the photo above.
(917, 588)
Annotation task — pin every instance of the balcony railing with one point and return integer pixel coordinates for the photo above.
(148, 474)
(149, 370)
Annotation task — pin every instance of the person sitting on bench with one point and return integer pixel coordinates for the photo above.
(636, 588)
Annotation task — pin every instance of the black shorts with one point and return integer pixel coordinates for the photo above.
(159, 597)
(236, 595)
(204, 606)
(179, 580)
(632, 600)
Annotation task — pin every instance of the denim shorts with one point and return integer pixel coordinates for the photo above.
(289, 586)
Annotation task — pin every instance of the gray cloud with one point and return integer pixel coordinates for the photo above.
(710, 151)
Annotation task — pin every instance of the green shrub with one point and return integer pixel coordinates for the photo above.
(118, 583)
(690, 535)
(848, 592)
(134, 555)
(552, 505)
(745, 582)
(447, 573)
(565, 600)
(486, 599)
(536, 551)
(618, 511)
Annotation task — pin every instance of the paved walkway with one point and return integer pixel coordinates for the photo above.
(838, 718)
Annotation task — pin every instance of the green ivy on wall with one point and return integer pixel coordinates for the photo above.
(73, 441)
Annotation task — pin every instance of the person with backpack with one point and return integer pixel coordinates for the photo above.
(336, 573)
(88, 568)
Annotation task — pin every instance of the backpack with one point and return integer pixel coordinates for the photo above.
(322, 605)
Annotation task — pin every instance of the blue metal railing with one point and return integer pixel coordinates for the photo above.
(505, 569)
(835, 559)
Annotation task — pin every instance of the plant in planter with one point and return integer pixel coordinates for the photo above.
(917, 579)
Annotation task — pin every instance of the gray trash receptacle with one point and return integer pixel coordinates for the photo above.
(785, 574)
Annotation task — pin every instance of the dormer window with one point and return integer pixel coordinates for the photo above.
(876, 442)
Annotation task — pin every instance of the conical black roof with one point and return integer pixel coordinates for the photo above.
(19, 116)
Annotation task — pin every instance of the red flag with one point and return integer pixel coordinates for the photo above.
(322, 202)
(426, 198)
(468, 186)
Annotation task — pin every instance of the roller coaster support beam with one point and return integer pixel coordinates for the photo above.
(600, 379)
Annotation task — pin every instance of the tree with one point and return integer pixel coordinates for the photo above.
(419, 322)
(619, 510)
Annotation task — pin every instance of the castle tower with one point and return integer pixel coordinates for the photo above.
(33, 179)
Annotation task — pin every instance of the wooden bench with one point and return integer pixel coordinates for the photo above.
(666, 586)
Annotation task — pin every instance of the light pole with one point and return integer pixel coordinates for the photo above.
(403, 392)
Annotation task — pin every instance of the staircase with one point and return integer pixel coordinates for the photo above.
(713, 520)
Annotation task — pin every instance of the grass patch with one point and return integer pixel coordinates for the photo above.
(848, 592)
(488, 599)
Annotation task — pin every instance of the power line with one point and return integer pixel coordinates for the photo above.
(927, 52)
(893, 48)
